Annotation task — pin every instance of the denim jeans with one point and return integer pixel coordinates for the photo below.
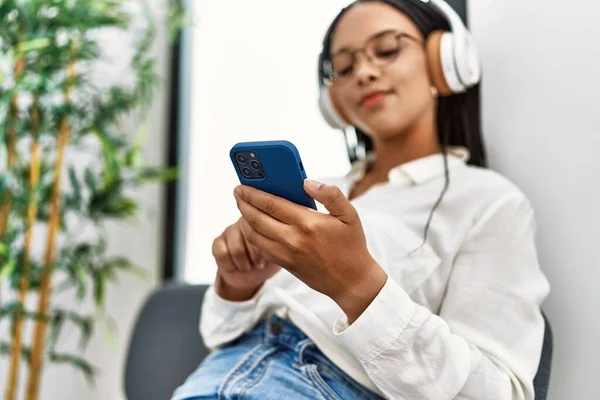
(275, 360)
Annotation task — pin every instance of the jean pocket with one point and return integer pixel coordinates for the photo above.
(311, 372)
(333, 385)
(210, 374)
(324, 373)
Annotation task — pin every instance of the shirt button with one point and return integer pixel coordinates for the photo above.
(276, 328)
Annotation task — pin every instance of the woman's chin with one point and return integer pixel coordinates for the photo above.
(383, 128)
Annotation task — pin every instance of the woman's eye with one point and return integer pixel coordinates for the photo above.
(344, 71)
(388, 53)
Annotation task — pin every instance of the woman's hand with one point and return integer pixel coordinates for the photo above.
(328, 252)
(241, 270)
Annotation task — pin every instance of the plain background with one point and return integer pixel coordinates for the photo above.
(542, 116)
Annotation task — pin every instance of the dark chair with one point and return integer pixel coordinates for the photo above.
(542, 377)
(166, 346)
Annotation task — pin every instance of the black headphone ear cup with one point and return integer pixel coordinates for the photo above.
(433, 47)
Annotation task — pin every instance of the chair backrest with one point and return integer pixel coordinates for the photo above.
(166, 346)
(542, 377)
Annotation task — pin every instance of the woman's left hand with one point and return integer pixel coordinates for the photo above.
(328, 252)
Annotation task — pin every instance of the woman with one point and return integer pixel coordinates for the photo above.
(422, 281)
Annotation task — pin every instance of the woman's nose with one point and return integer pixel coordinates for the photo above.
(364, 70)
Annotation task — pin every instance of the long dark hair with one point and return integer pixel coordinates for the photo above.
(458, 116)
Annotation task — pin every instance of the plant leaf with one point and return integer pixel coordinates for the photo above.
(8, 269)
(56, 324)
(109, 329)
(76, 186)
(3, 249)
(31, 45)
(157, 174)
(99, 290)
(90, 181)
(88, 370)
(123, 264)
(6, 349)
(9, 308)
(86, 325)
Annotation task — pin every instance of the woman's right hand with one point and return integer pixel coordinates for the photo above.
(241, 271)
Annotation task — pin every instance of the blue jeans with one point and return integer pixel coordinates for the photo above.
(275, 360)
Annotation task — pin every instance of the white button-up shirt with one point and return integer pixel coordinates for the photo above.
(458, 318)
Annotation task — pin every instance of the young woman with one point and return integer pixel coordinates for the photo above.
(421, 281)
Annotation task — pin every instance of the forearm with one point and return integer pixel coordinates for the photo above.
(357, 297)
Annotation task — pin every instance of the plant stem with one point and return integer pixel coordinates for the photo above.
(39, 335)
(13, 379)
(32, 207)
(12, 147)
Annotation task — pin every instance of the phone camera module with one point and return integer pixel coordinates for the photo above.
(255, 164)
(246, 172)
(241, 158)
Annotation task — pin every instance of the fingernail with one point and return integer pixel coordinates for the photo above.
(312, 184)
(237, 191)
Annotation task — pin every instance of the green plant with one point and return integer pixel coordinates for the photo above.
(65, 163)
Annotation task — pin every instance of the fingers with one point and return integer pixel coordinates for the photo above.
(262, 222)
(222, 256)
(233, 253)
(253, 253)
(278, 208)
(333, 199)
(237, 249)
(270, 250)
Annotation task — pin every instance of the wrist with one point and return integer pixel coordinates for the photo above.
(232, 293)
(357, 297)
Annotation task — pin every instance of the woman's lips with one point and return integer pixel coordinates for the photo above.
(374, 99)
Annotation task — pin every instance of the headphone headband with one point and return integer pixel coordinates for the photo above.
(455, 21)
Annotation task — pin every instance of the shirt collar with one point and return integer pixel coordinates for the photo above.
(416, 171)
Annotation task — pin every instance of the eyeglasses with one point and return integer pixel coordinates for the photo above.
(381, 50)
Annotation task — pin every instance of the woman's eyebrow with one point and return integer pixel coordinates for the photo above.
(374, 35)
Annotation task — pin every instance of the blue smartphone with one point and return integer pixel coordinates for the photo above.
(272, 166)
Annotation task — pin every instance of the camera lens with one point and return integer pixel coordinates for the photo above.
(246, 172)
(255, 164)
(261, 174)
(241, 158)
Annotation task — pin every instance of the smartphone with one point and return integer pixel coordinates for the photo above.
(272, 166)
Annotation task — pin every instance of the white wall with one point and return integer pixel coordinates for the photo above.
(254, 78)
(542, 126)
(141, 240)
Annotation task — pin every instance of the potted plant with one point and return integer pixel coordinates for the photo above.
(65, 162)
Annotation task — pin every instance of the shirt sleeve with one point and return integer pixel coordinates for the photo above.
(487, 339)
(222, 321)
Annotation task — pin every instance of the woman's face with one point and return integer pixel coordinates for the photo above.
(383, 101)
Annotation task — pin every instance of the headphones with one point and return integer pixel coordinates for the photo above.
(453, 64)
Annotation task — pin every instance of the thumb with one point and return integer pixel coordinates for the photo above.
(333, 199)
